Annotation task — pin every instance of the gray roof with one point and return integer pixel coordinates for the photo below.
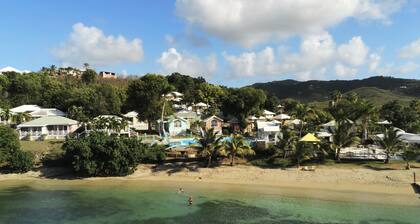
(49, 120)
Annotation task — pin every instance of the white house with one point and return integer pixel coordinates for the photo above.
(25, 108)
(200, 107)
(44, 112)
(48, 127)
(134, 121)
(268, 114)
(174, 96)
(268, 131)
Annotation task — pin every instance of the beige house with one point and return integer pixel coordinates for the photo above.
(214, 122)
(134, 121)
(48, 127)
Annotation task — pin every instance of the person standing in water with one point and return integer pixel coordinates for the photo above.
(190, 200)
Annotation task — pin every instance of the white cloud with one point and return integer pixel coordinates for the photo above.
(411, 50)
(174, 61)
(344, 71)
(317, 56)
(374, 61)
(252, 22)
(354, 52)
(91, 45)
(408, 67)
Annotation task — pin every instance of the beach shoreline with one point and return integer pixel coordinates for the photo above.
(326, 183)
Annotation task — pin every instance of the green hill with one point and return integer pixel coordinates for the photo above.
(379, 88)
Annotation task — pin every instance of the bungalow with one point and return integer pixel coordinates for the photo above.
(134, 121)
(268, 114)
(190, 116)
(175, 126)
(174, 96)
(200, 107)
(48, 127)
(213, 122)
(44, 112)
(107, 75)
(25, 109)
(268, 131)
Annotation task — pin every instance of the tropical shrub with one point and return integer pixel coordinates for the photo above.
(21, 161)
(101, 155)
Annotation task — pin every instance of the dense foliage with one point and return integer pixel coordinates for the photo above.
(99, 154)
(15, 159)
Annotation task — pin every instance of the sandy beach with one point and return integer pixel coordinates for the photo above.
(327, 182)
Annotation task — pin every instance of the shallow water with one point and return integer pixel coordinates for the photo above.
(31, 202)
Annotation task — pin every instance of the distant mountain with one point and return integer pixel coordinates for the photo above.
(309, 91)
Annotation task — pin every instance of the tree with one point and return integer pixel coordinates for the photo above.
(287, 143)
(236, 146)
(391, 142)
(243, 102)
(19, 118)
(409, 152)
(9, 142)
(303, 112)
(10, 152)
(209, 145)
(89, 76)
(21, 161)
(303, 151)
(343, 136)
(6, 115)
(98, 154)
(366, 111)
(145, 95)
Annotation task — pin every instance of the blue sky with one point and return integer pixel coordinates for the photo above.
(234, 43)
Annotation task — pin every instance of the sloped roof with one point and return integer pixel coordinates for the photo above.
(48, 120)
(131, 114)
(309, 138)
(267, 112)
(25, 108)
(282, 117)
(47, 112)
(213, 117)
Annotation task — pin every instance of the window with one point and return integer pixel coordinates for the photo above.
(177, 124)
(214, 123)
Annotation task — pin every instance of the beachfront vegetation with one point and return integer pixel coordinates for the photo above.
(236, 146)
(12, 158)
(209, 146)
(84, 98)
(99, 154)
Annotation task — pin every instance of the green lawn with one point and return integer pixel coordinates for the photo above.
(40, 147)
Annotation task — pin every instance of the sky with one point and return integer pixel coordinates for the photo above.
(228, 42)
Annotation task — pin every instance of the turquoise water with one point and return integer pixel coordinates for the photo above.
(29, 203)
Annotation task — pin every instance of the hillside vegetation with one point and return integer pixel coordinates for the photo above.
(376, 88)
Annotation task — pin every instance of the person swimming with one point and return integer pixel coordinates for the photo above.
(180, 190)
(190, 201)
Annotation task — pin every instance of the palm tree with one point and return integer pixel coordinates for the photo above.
(19, 118)
(209, 145)
(391, 142)
(343, 136)
(303, 112)
(287, 142)
(365, 111)
(6, 114)
(237, 146)
(336, 96)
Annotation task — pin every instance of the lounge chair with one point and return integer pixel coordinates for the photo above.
(308, 168)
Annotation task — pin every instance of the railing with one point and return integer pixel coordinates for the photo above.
(363, 155)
